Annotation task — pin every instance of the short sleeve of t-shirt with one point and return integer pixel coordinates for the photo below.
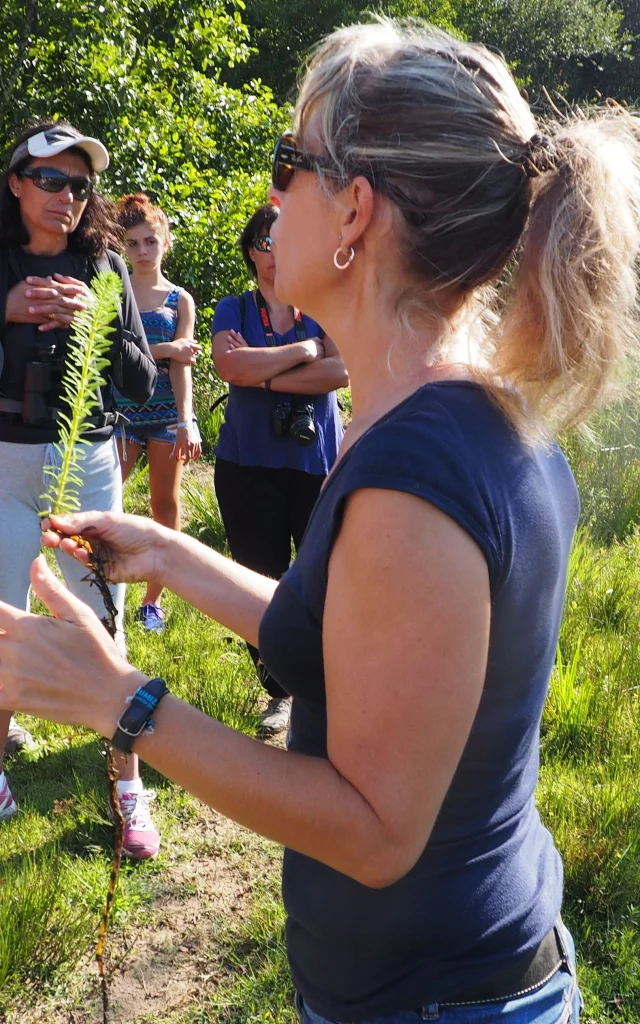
(227, 315)
(425, 451)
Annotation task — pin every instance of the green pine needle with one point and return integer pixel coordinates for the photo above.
(86, 359)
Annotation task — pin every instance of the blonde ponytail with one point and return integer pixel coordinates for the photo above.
(571, 313)
(440, 128)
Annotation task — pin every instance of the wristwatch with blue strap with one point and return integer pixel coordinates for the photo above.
(136, 717)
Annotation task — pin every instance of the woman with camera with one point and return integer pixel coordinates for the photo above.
(56, 233)
(417, 628)
(282, 427)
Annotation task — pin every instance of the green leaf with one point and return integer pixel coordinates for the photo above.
(82, 378)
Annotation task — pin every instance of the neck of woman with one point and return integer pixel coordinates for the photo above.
(147, 278)
(273, 304)
(42, 244)
(386, 362)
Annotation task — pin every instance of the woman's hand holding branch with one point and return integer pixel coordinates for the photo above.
(131, 548)
(65, 668)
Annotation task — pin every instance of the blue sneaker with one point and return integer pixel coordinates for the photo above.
(153, 618)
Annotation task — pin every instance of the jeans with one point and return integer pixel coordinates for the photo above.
(23, 483)
(557, 1002)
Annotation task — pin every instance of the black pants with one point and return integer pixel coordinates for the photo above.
(263, 510)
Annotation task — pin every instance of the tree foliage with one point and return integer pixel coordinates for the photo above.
(283, 33)
(547, 42)
(145, 77)
(182, 92)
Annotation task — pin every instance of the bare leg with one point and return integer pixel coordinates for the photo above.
(165, 476)
(133, 449)
(127, 765)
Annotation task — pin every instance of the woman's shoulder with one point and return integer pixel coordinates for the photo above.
(230, 310)
(178, 298)
(444, 408)
(175, 289)
(116, 261)
(448, 432)
(233, 301)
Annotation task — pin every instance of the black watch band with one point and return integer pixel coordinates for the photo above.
(136, 717)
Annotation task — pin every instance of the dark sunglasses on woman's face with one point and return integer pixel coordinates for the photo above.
(262, 243)
(287, 159)
(50, 179)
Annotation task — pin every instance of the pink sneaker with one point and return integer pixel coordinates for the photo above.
(141, 838)
(8, 805)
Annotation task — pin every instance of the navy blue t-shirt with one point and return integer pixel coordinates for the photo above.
(488, 885)
(246, 436)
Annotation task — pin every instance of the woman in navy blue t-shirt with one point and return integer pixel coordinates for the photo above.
(282, 427)
(418, 625)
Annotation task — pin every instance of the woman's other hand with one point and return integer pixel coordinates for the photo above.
(236, 340)
(45, 301)
(66, 668)
(130, 547)
(184, 350)
(313, 348)
(73, 288)
(187, 447)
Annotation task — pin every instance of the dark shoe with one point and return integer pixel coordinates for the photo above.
(17, 738)
(276, 717)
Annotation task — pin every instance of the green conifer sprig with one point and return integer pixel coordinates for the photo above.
(86, 359)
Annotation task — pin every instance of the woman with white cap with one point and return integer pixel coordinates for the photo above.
(56, 233)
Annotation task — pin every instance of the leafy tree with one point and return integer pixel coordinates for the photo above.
(285, 31)
(547, 42)
(618, 74)
(145, 78)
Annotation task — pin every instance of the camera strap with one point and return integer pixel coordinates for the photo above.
(265, 321)
(269, 334)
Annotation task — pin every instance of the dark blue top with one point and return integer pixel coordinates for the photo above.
(246, 436)
(488, 885)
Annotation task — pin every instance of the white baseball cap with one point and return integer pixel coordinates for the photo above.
(56, 140)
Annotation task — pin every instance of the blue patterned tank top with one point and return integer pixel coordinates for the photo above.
(159, 326)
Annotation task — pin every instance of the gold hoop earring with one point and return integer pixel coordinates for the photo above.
(343, 266)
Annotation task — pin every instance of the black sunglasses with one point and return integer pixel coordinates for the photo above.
(287, 159)
(262, 243)
(50, 179)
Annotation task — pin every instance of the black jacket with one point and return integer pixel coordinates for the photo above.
(132, 370)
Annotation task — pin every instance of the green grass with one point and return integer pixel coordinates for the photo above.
(55, 856)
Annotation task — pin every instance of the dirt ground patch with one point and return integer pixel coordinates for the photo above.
(172, 956)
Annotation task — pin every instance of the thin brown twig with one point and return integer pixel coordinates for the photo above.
(97, 578)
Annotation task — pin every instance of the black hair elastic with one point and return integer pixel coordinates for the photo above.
(538, 156)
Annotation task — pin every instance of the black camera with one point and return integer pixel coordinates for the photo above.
(293, 417)
(42, 377)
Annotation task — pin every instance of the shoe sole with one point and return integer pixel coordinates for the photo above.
(137, 856)
(268, 731)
